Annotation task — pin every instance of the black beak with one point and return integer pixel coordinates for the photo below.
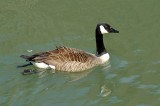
(114, 31)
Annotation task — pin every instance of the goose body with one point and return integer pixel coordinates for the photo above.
(71, 59)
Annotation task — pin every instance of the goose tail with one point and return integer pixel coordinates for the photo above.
(25, 57)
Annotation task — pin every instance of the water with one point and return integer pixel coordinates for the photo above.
(131, 78)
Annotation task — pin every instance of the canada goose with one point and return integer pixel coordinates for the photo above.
(71, 59)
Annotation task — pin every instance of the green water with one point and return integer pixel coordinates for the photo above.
(131, 78)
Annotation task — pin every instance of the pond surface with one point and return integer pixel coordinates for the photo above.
(130, 78)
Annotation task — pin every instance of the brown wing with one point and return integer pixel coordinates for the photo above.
(61, 55)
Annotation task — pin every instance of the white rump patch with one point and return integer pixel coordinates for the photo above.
(104, 58)
(43, 65)
(103, 30)
(52, 67)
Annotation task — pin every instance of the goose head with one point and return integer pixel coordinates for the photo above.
(102, 28)
(105, 28)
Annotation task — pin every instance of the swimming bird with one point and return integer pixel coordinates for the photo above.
(72, 59)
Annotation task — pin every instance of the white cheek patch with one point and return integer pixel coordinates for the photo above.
(103, 30)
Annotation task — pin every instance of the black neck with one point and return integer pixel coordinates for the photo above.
(99, 43)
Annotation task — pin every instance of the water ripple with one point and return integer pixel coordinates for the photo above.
(147, 86)
(129, 79)
(105, 91)
(114, 100)
(117, 63)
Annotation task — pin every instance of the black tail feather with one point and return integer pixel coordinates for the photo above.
(25, 57)
(25, 65)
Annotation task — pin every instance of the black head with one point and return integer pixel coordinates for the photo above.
(106, 28)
